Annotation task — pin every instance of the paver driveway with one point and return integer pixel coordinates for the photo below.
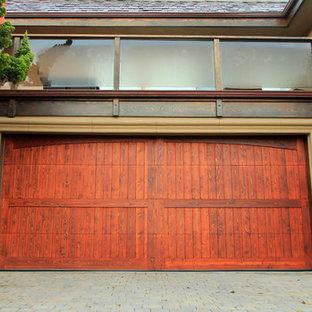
(156, 291)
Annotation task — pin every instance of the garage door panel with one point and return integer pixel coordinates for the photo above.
(195, 203)
(232, 181)
(70, 233)
(259, 233)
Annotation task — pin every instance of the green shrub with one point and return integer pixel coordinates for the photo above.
(15, 68)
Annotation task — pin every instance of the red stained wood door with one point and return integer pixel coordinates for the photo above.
(163, 203)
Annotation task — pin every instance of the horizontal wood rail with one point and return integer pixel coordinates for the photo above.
(233, 203)
(174, 203)
(142, 264)
(156, 106)
(81, 203)
(123, 94)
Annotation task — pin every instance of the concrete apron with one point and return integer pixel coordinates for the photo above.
(112, 291)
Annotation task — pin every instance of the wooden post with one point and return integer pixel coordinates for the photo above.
(117, 64)
(217, 64)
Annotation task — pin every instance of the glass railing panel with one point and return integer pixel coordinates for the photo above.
(266, 65)
(71, 63)
(166, 65)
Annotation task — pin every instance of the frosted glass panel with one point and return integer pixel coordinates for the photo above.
(160, 64)
(72, 63)
(270, 65)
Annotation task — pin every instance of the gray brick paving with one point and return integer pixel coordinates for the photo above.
(117, 291)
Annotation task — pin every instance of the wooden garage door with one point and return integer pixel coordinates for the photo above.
(164, 203)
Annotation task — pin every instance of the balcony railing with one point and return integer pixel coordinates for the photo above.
(199, 64)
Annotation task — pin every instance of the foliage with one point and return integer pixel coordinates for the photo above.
(2, 8)
(6, 30)
(13, 68)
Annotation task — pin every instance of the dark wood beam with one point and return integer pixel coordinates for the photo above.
(123, 94)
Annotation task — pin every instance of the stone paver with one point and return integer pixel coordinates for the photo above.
(108, 291)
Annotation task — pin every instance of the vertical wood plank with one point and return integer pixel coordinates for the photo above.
(211, 171)
(107, 233)
(123, 233)
(229, 232)
(141, 235)
(213, 218)
(140, 171)
(197, 230)
(171, 171)
(243, 178)
(227, 172)
(172, 233)
(114, 234)
(187, 174)
(203, 171)
(116, 170)
(270, 233)
(221, 233)
(194, 171)
(254, 240)
(180, 238)
(286, 235)
(188, 240)
(262, 230)
(267, 173)
(297, 240)
(235, 172)
(179, 171)
(130, 233)
(132, 170)
(219, 171)
(205, 233)
(246, 231)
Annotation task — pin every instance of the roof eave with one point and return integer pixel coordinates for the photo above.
(294, 21)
